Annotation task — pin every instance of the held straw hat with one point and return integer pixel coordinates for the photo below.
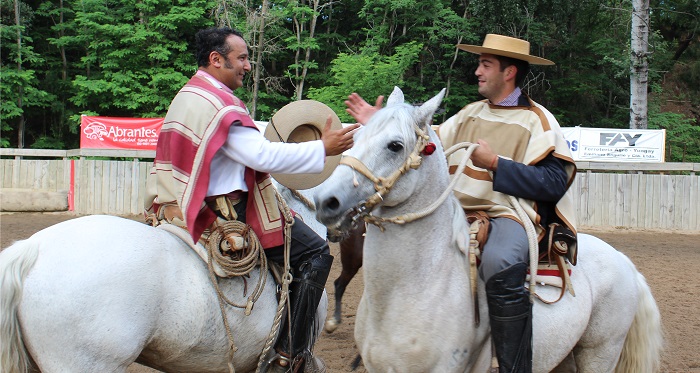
(506, 46)
(302, 121)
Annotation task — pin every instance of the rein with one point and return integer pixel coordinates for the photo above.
(383, 185)
(286, 280)
(309, 204)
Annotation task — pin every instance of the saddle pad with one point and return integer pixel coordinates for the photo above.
(549, 274)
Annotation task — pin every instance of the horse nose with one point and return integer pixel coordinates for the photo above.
(331, 204)
(327, 209)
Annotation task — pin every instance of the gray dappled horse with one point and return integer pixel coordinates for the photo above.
(417, 314)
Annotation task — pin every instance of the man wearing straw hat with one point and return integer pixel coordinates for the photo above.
(522, 153)
(212, 164)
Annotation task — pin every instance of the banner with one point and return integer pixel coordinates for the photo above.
(119, 133)
(615, 145)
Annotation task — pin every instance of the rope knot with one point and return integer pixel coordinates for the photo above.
(414, 161)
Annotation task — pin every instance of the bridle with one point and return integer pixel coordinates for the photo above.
(383, 185)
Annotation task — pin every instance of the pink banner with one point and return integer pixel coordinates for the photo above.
(119, 133)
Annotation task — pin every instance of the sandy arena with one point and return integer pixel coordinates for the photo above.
(669, 260)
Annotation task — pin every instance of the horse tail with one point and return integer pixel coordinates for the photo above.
(15, 263)
(644, 343)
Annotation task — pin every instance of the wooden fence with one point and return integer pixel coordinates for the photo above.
(628, 195)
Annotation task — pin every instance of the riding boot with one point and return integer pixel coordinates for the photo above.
(510, 313)
(297, 336)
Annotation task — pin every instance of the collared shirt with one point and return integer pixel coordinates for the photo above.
(511, 99)
(247, 147)
(216, 83)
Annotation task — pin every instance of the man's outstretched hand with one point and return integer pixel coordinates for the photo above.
(359, 109)
(337, 141)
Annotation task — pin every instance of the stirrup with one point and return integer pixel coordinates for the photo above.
(277, 363)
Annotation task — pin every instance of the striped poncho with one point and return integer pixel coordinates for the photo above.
(524, 134)
(195, 127)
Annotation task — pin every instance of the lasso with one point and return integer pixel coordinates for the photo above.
(241, 263)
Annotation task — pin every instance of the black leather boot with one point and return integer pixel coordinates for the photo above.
(305, 292)
(510, 313)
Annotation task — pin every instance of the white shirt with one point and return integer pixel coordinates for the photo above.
(248, 147)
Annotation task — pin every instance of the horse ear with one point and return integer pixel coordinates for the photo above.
(396, 97)
(424, 113)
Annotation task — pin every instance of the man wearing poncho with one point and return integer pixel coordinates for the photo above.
(212, 161)
(522, 153)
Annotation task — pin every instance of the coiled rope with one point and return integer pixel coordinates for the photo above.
(241, 263)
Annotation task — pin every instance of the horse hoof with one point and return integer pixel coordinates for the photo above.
(331, 326)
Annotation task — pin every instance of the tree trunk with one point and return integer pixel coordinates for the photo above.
(307, 55)
(299, 27)
(20, 90)
(257, 69)
(639, 64)
(61, 35)
(452, 64)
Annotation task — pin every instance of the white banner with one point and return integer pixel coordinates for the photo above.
(615, 145)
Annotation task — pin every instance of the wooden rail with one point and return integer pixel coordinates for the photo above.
(609, 194)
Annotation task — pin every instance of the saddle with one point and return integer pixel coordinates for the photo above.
(225, 238)
(557, 252)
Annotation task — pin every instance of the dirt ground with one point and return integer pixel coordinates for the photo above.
(669, 260)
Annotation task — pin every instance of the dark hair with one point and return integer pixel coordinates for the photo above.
(523, 68)
(210, 40)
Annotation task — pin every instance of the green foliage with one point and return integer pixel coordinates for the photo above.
(682, 133)
(129, 58)
(682, 136)
(19, 86)
(366, 73)
(45, 142)
(140, 60)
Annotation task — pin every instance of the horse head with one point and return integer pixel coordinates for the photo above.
(383, 170)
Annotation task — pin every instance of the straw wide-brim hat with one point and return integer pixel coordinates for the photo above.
(506, 46)
(302, 121)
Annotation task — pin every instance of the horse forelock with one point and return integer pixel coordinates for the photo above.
(400, 114)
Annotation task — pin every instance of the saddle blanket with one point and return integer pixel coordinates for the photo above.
(549, 274)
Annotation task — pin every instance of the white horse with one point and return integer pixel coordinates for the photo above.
(97, 293)
(301, 201)
(417, 314)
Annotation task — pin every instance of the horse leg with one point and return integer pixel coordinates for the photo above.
(340, 284)
(65, 343)
(60, 343)
(351, 260)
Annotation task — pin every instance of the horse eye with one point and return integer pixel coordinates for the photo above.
(395, 146)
